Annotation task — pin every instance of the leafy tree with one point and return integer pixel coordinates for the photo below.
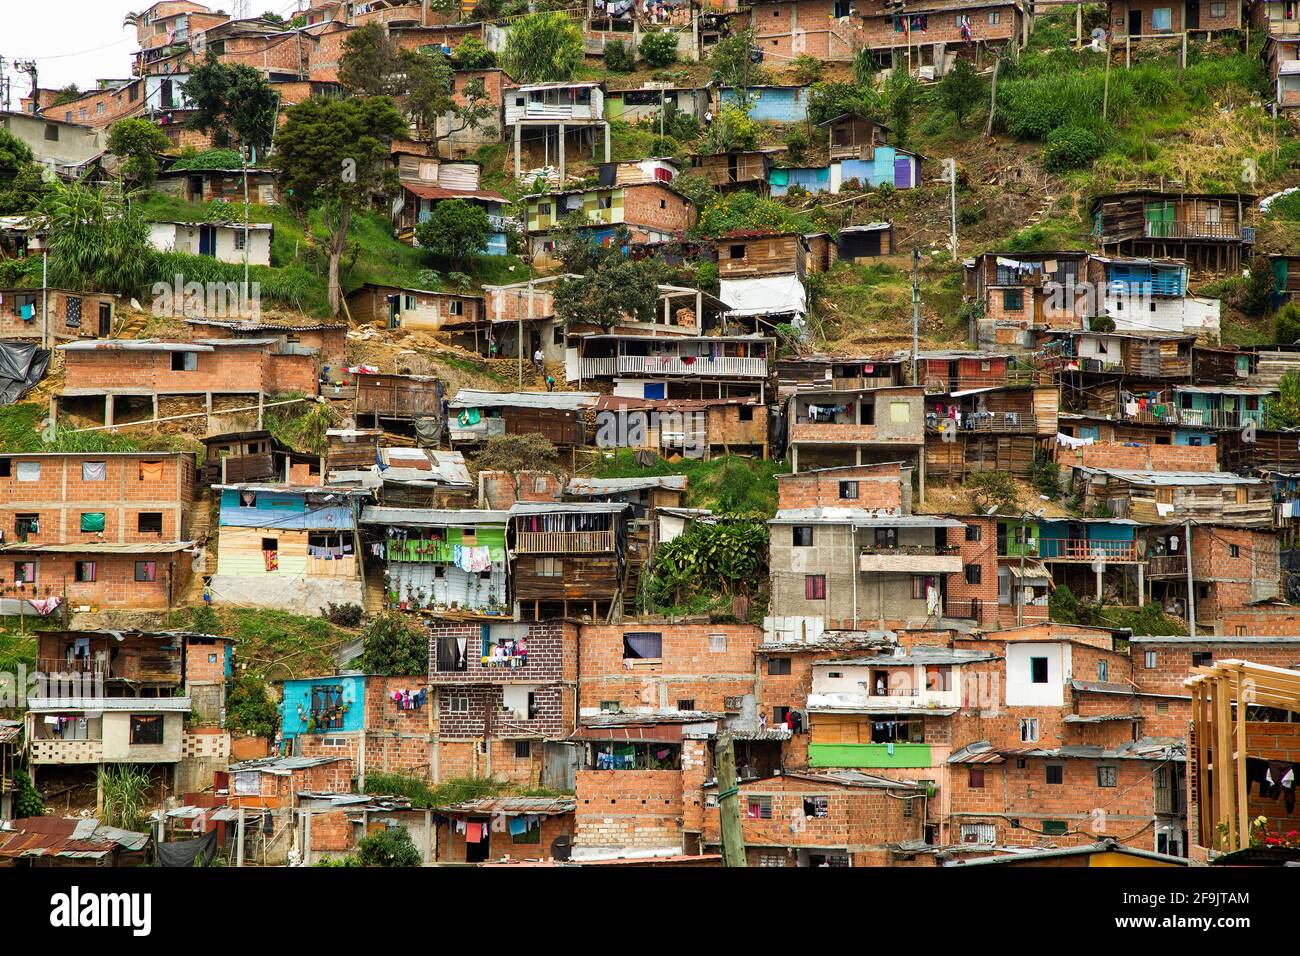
(733, 128)
(233, 103)
(992, 489)
(371, 63)
(807, 69)
(1286, 324)
(659, 48)
(96, 241)
(473, 54)
(826, 101)
(137, 141)
(456, 231)
(249, 708)
(622, 289)
(960, 89)
(543, 48)
(68, 94)
(618, 58)
(900, 97)
(394, 646)
(730, 554)
(733, 61)
(27, 191)
(574, 248)
(865, 66)
(430, 95)
(391, 846)
(333, 156)
(14, 155)
(515, 453)
(28, 802)
(1282, 411)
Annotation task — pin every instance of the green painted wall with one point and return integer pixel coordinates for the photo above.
(869, 755)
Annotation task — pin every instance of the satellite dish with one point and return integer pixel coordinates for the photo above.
(1099, 39)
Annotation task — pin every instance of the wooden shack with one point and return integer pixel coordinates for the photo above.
(389, 396)
(1155, 497)
(475, 415)
(738, 169)
(567, 560)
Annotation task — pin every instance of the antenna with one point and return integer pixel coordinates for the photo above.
(241, 10)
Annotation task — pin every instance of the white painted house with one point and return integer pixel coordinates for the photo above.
(221, 240)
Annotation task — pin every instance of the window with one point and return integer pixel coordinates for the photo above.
(842, 8)
(759, 808)
(1038, 670)
(814, 587)
(780, 715)
(146, 571)
(1013, 300)
(456, 705)
(185, 361)
(24, 572)
(532, 835)
(643, 645)
(149, 522)
(6, 467)
(745, 413)
(1202, 658)
(1103, 671)
(900, 412)
(974, 532)
(94, 470)
(778, 666)
(802, 536)
(610, 707)
(539, 485)
(550, 567)
(92, 522)
(1054, 827)
(1149, 660)
(737, 252)
(849, 490)
(1054, 773)
(1161, 18)
(523, 749)
(816, 807)
(1234, 551)
(241, 240)
(1029, 730)
(686, 703)
(1108, 776)
(974, 574)
(146, 729)
(717, 643)
(26, 525)
(51, 133)
(975, 778)
(1218, 10)
(978, 833)
(995, 17)
(29, 471)
(84, 572)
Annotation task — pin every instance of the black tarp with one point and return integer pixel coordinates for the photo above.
(187, 852)
(22, 365)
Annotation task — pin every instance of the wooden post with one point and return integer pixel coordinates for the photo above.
(993, 98)
(733, 841)
(1239, 765)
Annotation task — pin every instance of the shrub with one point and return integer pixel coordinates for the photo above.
(1070, 147)
(394, 645)
(992, 489)
(543, 48)
(473, 54)
(807, 69)
(618, 58)
(391, 846)
(659, 49)
(796, 143)
(344, 615)
(249, 708)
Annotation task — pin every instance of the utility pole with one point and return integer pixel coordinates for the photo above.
(4, 87)
(29, 67)
(45, 299)
(243, 155)
(1105, 87)
(916, 308)
(1020, 585)
(733, 841)
(993, 98)
(1191, 585)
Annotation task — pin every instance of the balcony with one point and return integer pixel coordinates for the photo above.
(910, 560)
(1219, 417)
(985, 423)
(1167, 566)
(52, 751)
(564, 542)
(1216, 231)
(939, 384)
(1087, 550)
(135, 705)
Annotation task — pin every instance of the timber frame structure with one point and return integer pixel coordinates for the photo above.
(1215, 689)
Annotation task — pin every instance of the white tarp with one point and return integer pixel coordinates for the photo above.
(764, 295)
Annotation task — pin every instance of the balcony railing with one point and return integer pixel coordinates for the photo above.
(956, 383)
(1222, 231)
(916, 560)
(1085, 550)
(1219, 417)
(987, 422)
(1167, 565)
(702, 365)
(564, 542)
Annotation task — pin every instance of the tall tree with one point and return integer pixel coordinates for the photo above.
(431, 95)
(456, 231)
(137, 142)
(371, 64)
(960, 89)
(543, 48)
(96, 241)
(233, 103)
(333, 156)
(14, 155)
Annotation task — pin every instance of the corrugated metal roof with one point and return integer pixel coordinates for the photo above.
(1154, 478)
(608, 486)
(481, 398)
(1104, 846)
(281, 766)
(916, 655)
(99, 547)
(65, 837)
(513, 806)
(316, 519)
(567, 507)
(431, 518)
(860, 518)
(135, 345)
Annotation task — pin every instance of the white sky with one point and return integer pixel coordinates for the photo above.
(81, 41)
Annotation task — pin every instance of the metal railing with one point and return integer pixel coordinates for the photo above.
(563, 542)
(989, 422)
(1228, 231)
(1083, 549)
(1166, 565)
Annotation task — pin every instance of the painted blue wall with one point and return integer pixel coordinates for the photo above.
(299, 693)
(773, 104)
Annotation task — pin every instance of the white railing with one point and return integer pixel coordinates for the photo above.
(133, 704)
(699, 365)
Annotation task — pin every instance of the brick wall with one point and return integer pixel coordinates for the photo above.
(501, 845)
(658, 207)
(879, 486)
(1173, 661)
(1143, 457)
(1277, 742)
(631, 808)
(242, 369)
(114, 585)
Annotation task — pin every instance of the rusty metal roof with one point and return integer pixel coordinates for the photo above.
(66, 837)
(513, 806)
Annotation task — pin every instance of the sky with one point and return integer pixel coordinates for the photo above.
(81, 41)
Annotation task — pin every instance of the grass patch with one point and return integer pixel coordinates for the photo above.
(301, 426)
(424, 795)
(273, 645)
(730, 483)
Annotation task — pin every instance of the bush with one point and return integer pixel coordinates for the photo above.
(344, 615)
(543, 48)
(992, 489)
(796, 143)
(393, 646)
(1286, 324)
(659, 49)
(249, 708)
(829, 100)
(618, 58)
(807, 69)
(1070, 147)
(473, 54)
(391, 846)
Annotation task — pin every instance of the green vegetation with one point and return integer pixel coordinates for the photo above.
(1282, 411)
(391, 846)
(455, 232)
(730, 484)
(27, 801)
(249, 708)
(659, 49)
(716, 559)
(543, 48)
(270, 645)
(210, 159)
(302, 425)
(137, 141)
(425, 796)
(233, 103)
(394, 645)
(125, 788)
(992, 489)
(1147, 620)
